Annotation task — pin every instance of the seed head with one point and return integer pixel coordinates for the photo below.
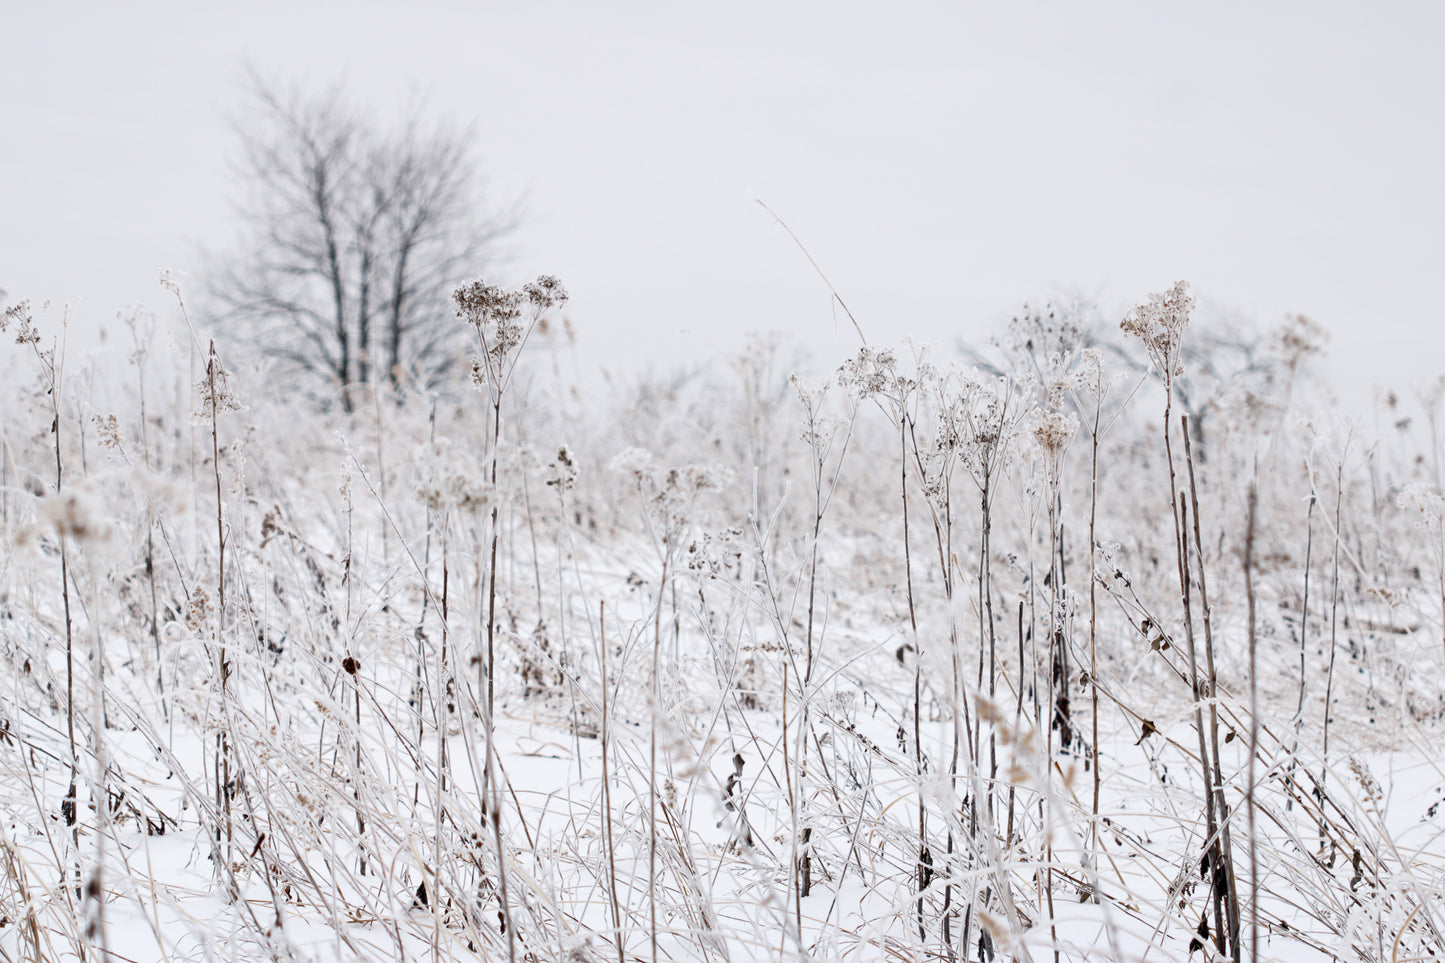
(546, 292)
(1423, 502)
(1160, 324)
(25, 332)
(1054, 430)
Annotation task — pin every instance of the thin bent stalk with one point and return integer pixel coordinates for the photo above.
(1221, 804)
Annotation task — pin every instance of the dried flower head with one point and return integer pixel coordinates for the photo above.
(479, 303)
(1424, 503)
(1160, 324)
(874, 374)
(1043, 333)
(1056, 381)
(107, 427)
(20, 315)
(1296, 339)
(497, 317)
(450, 480)
(562, 470)
(668, 493)
(77, 514)
(15, 312)
(1090, 375)
(987, 416)
(715, 553)
(546, 292)
(1054, 430)
(636, 462)
(215, 392)
(198, 609)
(818, 431)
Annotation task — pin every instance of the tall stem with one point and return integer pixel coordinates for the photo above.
(606, 738)
(1094, 630)
(925, 858)
(1253, 729)
(224, 781)
(652, 749)
(1221, 804)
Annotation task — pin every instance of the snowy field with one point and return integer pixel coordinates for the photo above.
(901, 658)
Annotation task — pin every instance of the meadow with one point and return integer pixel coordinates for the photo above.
(1111, 640)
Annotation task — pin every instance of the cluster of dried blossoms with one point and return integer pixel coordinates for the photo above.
(715, 553)
(1054, 429)
(215, 393)
(668, 493)
(1296, 339)
(874, 373)
(989, 414)
(1424, 503)
(1160, 324)
(450, 480)
(562, 470)
(503, 320)
(25, 329)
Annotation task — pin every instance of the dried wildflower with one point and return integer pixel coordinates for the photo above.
(668, 494)
(20, 315)
(1424, 502)
(1160, 324)
(497, 317)
(198, 610)
(76, 514)
(1056, 382)
(715, 553)
(481, 303)
(495, 314)
(1371, 794)
(810, 398)
(874, 372)
(818, 432)
(986, 417)
(216, 394)
(562, 470)
(693, 479)
(1053, 431)
(1297, 338)
(1041, 344)
(170, 282)
(1047, 331)
(546, 292)
(637, 462)
(447, 480)
(1090, 376)
(107, 428)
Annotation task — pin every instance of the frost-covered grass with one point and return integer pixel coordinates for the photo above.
(721, 666)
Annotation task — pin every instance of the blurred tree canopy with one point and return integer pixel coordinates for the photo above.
(355, 234)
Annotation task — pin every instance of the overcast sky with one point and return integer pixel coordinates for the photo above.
(943, 162)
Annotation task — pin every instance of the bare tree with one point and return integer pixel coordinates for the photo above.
(355, 237)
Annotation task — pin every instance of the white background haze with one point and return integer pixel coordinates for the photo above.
(943, 162)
